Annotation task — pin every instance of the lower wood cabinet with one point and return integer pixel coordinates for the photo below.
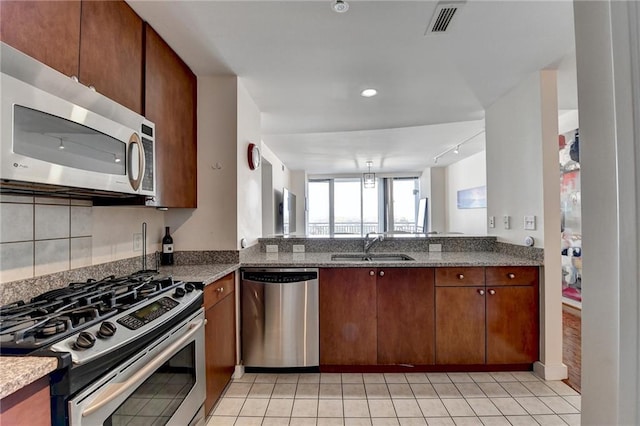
(429, 316)
(220, 337)
(487, 319)
(460, 325)
(406, 316)
(30, 405)
(348, 316)
(374, 316)
(512, 324)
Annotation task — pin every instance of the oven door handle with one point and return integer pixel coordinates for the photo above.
(112, 391)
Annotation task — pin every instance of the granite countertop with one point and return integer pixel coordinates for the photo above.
(200, 273)
(17, 372)
(212, 272)
(422, 259)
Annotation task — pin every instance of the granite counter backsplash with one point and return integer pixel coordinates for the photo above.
(14, 291)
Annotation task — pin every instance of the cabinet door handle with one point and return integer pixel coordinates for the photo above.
(511, 275)
(492, 292)
(461, 276)
(220, 289)
(372, 273)
(381, 273)
(481, 292)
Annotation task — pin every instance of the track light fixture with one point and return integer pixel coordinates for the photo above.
(455, 148)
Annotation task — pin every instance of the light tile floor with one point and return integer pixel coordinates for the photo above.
(505, 398)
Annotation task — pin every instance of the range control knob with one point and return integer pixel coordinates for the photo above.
(107, 329)
(179, 292)
(189, 287)
(85, 340)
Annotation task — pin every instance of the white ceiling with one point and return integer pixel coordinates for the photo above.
(305, 65)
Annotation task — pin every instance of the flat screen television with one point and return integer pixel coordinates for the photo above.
(422, 224)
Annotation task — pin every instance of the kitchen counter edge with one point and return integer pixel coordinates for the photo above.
(17, 372)
(210, 273)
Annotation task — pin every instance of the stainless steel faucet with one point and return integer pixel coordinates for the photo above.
(368, 243)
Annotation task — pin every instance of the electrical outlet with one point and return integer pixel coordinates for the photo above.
(530, 223)
(272, 248)
(492, 221)
(137, 242)
(435, 247)
(298, 248)
(507, 222)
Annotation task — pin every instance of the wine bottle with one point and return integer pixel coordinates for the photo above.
(167, 248)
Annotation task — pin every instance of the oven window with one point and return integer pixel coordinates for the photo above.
(158, 398)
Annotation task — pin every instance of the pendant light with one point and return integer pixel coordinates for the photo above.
(369, 178)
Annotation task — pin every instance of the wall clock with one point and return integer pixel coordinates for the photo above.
(253, 155)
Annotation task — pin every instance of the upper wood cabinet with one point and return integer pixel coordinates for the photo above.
(111, 51)
(99, 42)
(170, 102)
(48, 31)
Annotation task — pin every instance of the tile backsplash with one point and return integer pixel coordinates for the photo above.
(41, 236)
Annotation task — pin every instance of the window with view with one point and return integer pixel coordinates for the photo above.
(342, 206)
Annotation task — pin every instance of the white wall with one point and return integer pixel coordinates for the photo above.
(249, 181)
(298, 182)
(113, 229)
(523, 179)
(212, 226)
(464, 174)
(438, 200)
(281, 178)
(608, 56)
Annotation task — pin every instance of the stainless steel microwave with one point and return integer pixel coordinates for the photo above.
(51, 141)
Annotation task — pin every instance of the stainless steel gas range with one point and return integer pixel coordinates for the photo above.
(130, 350)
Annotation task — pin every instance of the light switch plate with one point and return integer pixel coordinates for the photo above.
(272, 248)
(530, 223)
(435, 247)
(507, 222)
(492, 221)
(298, 248)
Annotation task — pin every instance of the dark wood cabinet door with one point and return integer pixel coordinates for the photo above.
(48, 31)
(220, 348)
(111, 51)
(512, 325)
(348, 316)
(460, 325)
(406, 316)
(170, 102)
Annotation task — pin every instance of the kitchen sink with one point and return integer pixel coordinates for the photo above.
(373, 257)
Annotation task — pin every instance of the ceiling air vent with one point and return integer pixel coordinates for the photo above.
(443, 16)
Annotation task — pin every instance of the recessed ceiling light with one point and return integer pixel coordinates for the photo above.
(367, 93)
(340, 6)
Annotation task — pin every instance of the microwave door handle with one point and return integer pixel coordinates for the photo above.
(114, 390)
(134, 143)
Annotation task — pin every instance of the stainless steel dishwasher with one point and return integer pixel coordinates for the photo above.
(280, 318)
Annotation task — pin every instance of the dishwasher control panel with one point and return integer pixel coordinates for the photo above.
(279, 277)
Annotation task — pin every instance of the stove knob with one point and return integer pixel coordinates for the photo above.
(107, 329)
(189, 287)
(85, 340)
(179, 292)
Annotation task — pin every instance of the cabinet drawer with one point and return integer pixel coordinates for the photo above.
(218, 290)
(459, 277)
(511, 275)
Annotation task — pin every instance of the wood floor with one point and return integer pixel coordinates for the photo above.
(572, 342)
